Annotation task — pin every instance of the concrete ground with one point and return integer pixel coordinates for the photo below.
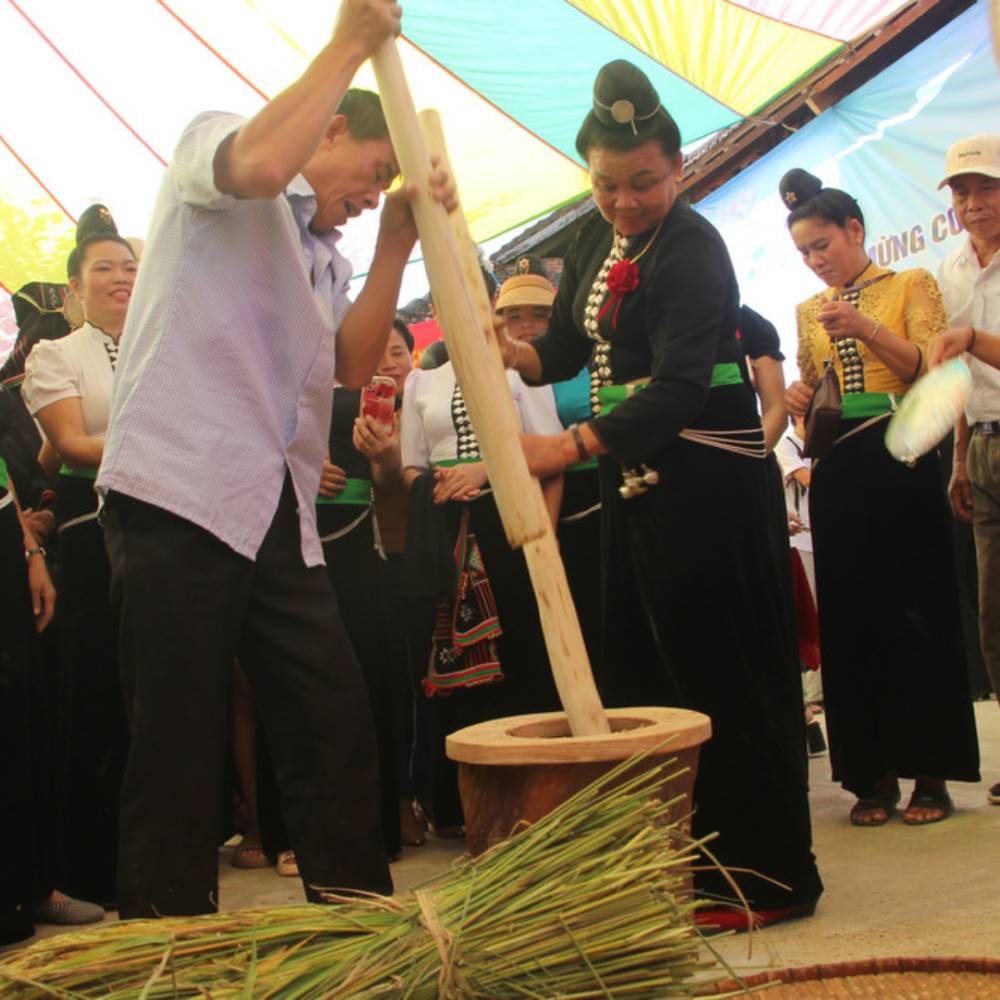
(897, 890)
(891, 891)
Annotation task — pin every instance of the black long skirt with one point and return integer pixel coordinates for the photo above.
(355, 569)
(97, 723)
(17, 778)
(895, 684)
(697, 617)
(579, 533)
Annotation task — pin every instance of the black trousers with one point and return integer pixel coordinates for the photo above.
(188, 605)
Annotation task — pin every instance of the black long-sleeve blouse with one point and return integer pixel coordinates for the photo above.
(678, 324)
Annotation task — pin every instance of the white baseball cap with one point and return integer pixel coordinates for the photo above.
(978, 154)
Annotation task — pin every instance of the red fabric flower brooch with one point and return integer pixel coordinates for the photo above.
(623, 278)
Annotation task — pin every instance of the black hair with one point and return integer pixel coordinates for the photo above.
(529, 263)
(490, 281)
(404, 331)
(364, 114)
(434, 355)
(806, 198)
(95, 226)
(626, 114)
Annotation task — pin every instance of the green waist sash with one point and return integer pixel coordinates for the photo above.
(357, 492)
(447, 463)
(591, 463)
(3, 476)
(611, 396)
(861, 405)
(78, 473)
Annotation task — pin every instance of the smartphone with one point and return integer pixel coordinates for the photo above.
(378, 400)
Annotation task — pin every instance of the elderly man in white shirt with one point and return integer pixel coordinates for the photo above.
(220, 415)
(970, 283)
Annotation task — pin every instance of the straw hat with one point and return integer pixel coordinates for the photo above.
(525, 290)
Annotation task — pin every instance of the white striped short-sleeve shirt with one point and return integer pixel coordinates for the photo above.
(427, 430)
(226, 366)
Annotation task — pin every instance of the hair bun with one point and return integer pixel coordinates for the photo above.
(94, 221)
(529, 263)
(623, 95)
(797, 187)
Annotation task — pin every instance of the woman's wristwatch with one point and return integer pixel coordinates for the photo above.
(36, 551)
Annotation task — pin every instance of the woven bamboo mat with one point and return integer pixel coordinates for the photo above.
(883, 978)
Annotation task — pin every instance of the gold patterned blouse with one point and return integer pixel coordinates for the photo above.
(907, 303)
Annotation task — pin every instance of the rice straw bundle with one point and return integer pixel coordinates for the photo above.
(592, 901)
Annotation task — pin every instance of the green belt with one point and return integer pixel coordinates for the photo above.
(858, 405)
(591, 463)
(611, 396)
(447, 463)
(3, 475)
(357, 492)
(78, 473)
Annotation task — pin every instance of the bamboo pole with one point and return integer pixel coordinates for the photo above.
(490, 406)
(560, 622)
(433, 131)
(484, 386)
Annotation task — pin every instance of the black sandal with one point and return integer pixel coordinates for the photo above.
(886, 805)
(924, 800)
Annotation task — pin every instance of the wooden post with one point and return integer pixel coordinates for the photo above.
(491, 408)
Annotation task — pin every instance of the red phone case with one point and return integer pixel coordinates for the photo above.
(378, 400)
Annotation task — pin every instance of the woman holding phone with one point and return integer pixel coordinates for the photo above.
(896, 689)
(475, 621)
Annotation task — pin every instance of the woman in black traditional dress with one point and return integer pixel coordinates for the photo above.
(695, 615)
(67, 387)
(27, 864)
(475, 621)
(382, 449)
(896, 688)
(352, 547)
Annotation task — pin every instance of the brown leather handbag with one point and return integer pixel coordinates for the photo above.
(822, 418)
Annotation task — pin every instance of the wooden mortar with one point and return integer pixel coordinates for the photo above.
(518, 769)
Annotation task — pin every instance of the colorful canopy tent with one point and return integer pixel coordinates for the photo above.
(97, 91)
(885, 144)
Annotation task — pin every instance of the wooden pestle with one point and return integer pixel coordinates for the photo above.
(465, 315)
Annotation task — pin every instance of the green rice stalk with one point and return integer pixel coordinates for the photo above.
(592, 901)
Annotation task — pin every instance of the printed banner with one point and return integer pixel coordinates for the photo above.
(885, 144)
